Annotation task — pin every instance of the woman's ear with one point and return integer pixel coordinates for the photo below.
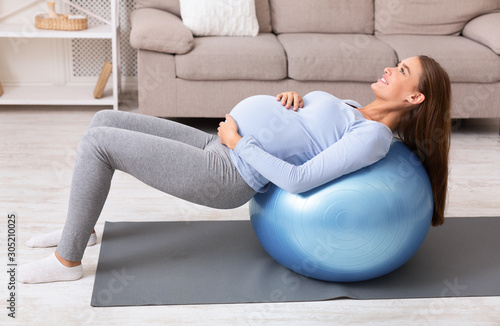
(416, 98)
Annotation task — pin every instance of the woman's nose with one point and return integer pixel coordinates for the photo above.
(387, 71)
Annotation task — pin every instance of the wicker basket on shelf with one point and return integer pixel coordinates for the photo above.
(59, 22)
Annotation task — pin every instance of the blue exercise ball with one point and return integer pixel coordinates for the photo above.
(360, 226)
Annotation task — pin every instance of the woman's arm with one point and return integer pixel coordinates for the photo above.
(352, 152)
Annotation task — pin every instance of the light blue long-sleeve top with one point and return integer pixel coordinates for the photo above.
(301, 150)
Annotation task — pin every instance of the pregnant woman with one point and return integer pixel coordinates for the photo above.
(314, 140)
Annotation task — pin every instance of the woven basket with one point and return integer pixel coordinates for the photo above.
(55, 21)
(62, 23)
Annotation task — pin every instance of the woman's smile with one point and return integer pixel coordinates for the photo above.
(383, 81)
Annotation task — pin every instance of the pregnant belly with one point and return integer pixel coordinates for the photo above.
(263, 117)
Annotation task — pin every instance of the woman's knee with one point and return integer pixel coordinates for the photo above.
(93, 136)
(96, 142)
(102, 118)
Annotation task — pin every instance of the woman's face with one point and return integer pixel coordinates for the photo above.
(399, 85)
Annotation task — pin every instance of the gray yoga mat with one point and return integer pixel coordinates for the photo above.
(216, 262)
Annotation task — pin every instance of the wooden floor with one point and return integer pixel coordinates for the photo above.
(37, 148)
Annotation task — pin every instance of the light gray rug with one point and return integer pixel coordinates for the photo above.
(217, 262)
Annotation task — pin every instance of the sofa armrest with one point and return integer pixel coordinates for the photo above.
(485, 30)
(161, 31)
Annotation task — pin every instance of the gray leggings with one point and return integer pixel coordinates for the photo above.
(179, 160)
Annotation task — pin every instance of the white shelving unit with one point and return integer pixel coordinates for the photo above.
(66, 95)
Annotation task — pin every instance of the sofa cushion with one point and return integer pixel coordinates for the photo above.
(261, 9)
(320, 16)
(336, 57)
(479, 30)
(149, 31)
(225, 58)
(463, 59)
(430, 17)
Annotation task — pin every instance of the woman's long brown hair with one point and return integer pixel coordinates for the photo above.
(426, 130)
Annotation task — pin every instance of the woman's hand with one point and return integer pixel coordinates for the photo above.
(289, 99)
(228, 132)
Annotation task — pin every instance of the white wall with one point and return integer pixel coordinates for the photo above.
(25, 61)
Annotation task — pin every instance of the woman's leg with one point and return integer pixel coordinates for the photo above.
(184, 171)
(134, 122)
(203, 176)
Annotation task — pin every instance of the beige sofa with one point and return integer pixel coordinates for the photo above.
(337, 46)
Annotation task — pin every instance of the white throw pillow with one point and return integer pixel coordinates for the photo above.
(220, 17)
